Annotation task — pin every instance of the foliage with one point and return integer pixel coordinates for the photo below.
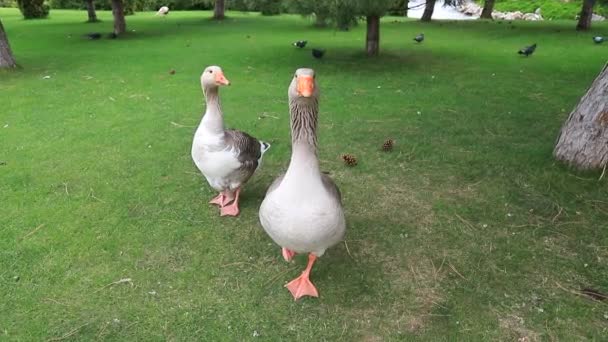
(33, 9)
(8, 3)
(268, 7)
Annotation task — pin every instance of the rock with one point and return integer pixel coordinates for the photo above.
(470, 9)
(532, 17)
(498, 15)
(597, 17)
(517, 15)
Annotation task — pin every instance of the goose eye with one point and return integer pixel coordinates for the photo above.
(211, 71)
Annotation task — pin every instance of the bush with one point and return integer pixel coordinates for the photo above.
(33, 9)
(269, 7)
(68, 4)
(8, 3)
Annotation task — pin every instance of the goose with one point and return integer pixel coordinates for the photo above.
(227, 158)
(163, 11)
(302, 211)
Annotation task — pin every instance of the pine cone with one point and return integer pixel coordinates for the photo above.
(349, 159)
(388, 145)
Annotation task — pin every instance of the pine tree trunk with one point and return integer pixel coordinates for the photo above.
(218, 9)
(91, 11)
(120, 25)
(583, 140)
(584, 21)
(6, 55)
(428, 10)
(488, 7)
(372, 45)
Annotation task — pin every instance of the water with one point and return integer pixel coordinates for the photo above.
(440, 12)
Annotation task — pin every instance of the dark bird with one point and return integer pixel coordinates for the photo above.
(94, 35)
(419, 38)
(318, 53)
(598, 39)
(528, 50)
(112, 35)
(300, 43)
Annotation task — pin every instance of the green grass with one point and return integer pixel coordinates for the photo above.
(468, 230)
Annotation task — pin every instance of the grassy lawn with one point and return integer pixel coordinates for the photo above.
(467, 230)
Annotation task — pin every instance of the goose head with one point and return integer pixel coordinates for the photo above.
(213, 77)
(303, 87)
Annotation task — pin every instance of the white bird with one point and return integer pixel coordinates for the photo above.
(302, 211)
(163, 11)
(227, 158)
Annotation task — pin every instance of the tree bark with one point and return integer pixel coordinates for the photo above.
(6, 55)
(219, 9)
(91, 11)
(120, 25)
(583, 140)
(428, 10)
(372, 39)
(584, 20)
(488, 7)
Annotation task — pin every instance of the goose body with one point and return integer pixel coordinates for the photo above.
(226, 158)
(302, 211)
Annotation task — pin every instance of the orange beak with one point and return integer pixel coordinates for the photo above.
(221, 79)
(305, 86)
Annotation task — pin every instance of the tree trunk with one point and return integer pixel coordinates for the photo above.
(91, 10)
(120, 25)
(372, 45)
(584, 20)
(6, 56)
(583, 140)
(406, 7)
(488, 7)
(428, 10)
(218, 9)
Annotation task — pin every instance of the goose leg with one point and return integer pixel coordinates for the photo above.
(302, 286)
(232, 209)
(219, 199)
(288, 254)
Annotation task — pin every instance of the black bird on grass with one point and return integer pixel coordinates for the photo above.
(93, 35)
(528, 50)
(318, 53)
(419, 38)
(598, 39)
(300, 43)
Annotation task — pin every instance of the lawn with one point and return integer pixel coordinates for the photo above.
(468, 230)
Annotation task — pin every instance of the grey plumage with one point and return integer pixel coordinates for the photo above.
(528, 50)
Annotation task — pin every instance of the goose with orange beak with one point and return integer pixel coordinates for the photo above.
(302, 211)
(227, 158)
